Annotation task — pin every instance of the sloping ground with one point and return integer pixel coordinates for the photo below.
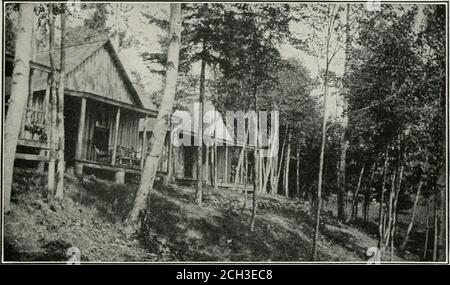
(219, 230)
(36, 232)
(176, 229)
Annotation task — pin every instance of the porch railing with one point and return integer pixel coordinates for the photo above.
(34, 125)
(125, 157)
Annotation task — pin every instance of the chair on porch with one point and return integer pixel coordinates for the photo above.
(102, 156)
(127, 157)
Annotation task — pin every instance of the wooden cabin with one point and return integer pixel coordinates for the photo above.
(180, 163)
(102, 111)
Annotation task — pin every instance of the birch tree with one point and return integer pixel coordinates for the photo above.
(18, 100)
(53, 141)
(413, 214)
(156, 143)
(60, 120)
(344, 140)
(330, 46)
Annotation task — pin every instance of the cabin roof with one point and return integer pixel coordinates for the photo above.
(218, 131)
(77, 54)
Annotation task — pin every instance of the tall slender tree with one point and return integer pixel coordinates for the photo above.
(162, 123)
(344, 140)
(330, 14)
(18, 100)
(53, 141)
(60, 120)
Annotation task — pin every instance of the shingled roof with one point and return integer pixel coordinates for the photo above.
(76, 54)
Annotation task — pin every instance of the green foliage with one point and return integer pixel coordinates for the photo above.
(396, 89)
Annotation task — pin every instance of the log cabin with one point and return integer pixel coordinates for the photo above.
(102, 112)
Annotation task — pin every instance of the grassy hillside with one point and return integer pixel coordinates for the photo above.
(176, 229)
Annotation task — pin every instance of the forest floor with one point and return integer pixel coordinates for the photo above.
(176, 228)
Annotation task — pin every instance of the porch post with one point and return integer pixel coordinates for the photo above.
(79, 147)
(116, 137)
(144, 143)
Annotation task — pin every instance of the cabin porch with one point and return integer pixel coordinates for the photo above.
(99, 135)
(107, 138)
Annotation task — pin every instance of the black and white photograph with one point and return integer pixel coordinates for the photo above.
(225, 133)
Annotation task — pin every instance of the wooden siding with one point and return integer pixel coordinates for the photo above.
(98, 74)
(129, 130)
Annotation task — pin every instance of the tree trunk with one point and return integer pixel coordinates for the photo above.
(390, 216)
(381, 209)
(297, 167)
(53, 109)
(436, 226)
(199, 190)
(394, 211)
(344, 140)
(427, 230)
(322, 148)
(286, 169)
(162, 122)
(280, 164)
(322, 154)
(273, 174)
(226, 163)
(215, 162)
(255, 157)
(207, 178)
(413, 213)
(254, 206)
(440, 244)
(62, 78)
(354, 213)
(367, 195)
(240, 164)
(260, 173)
(269, 169)
(18, 99)
(245, 180)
